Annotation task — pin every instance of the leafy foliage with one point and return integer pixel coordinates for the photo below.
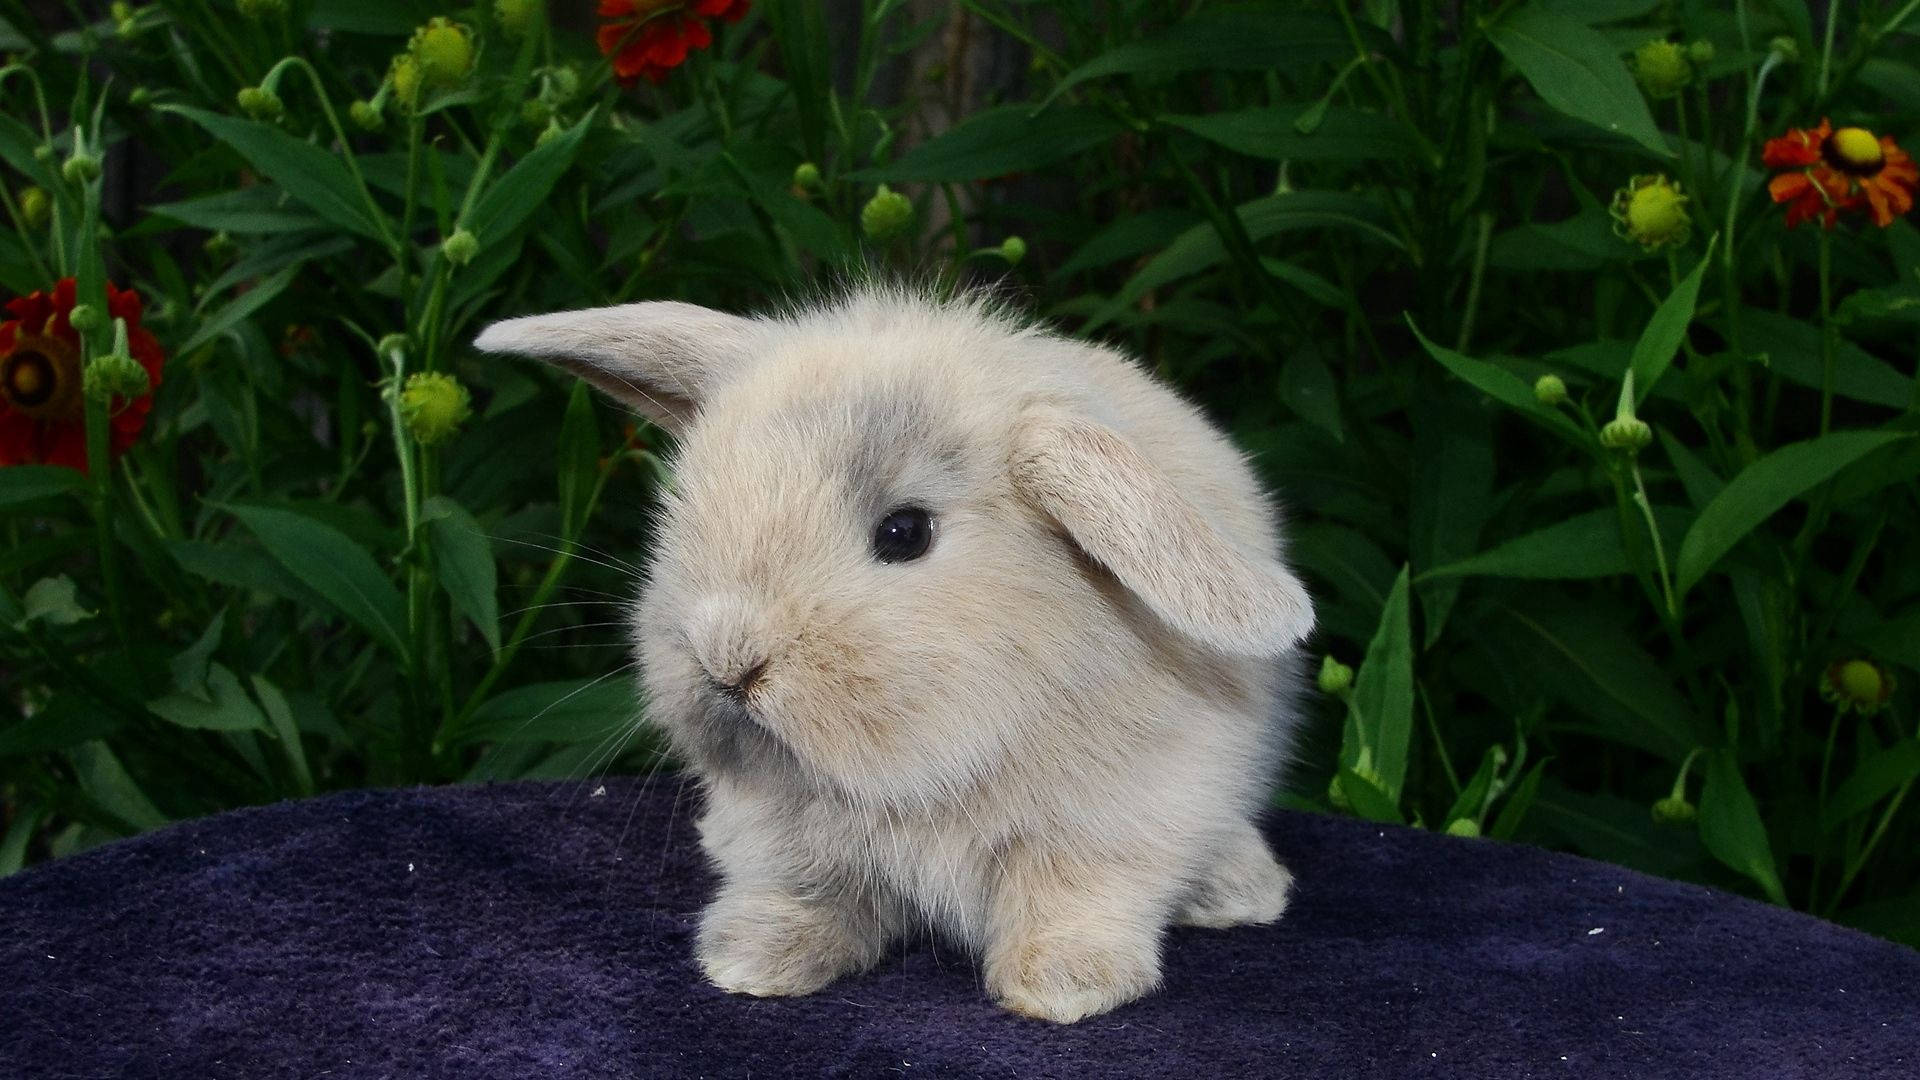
(1360, 235)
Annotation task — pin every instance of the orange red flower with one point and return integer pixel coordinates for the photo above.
(648, 38)
(1851, 169)
(42, 404)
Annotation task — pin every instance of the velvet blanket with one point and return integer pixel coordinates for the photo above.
(544, 930)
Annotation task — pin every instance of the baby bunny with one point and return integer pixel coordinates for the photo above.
(960, 624)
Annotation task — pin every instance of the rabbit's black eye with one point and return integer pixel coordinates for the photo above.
(902, 535)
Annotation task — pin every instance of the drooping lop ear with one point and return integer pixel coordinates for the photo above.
(658, 358)
(1124, 512)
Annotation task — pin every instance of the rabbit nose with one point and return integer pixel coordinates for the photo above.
(727, 635)
(738, 686)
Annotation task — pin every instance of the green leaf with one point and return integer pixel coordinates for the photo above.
(1128, 237)
(1876, 778)
(1731, 829)
(1577, 71)
(240, 307)
(25, 483)
(67, 720)
(525, 187)
(241, 567)
(1514, 811)
(1239, 37)
(1611, 828)
(1383, 690)
(336, 568)
(1503, 386)
(579, 710)
(1200, 247)
(1344, 134)
(1792, 349)
(224, 706)
(1452, 494)
(54, 601)
(13, 846)
(1581, 547)
(251, 211)
(463, 559)
(1667, 330)
(17, 143)
(1307, 386)
(280, 716)
(1762, 488)
(189, 667)
(1585, 241)
(315, 177)
(1367, 800)
(579, 458)
(1581, 656)
(1473, 797)
(998, 141)
(106, 782)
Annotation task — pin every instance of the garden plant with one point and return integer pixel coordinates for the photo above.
(1579, 336)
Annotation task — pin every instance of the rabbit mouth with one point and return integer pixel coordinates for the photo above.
(730, 736)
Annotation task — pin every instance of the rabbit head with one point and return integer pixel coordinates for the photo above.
(909, 541)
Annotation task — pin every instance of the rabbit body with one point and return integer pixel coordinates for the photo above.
(1045, 736)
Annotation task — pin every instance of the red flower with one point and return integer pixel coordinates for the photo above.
(648, 38)
(1850, 169)
(42, 408)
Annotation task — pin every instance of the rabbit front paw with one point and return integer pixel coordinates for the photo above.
(772, 945)
(1064, 980)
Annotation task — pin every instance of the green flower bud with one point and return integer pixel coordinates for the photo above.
(35, 207)
(392, 345)
(1651, 212)
(1335, 677)
(806, 176)
(1700, 53)
(1629, 433)
(366, 116)
(565, 82)
(535, 113)
(1674, 810)
(1013, 249)
(1464, 827)
(444, 50)
(433, 405)
(461, 247)
(140, 98)
(125, 19)
(1550, 390)
(80, 168)
(261, 9)
(116, 374)
(260, 103)
(1661, 68)
(553, 131)
(43, 154)
(518, 16)
(86, 318)
(219, 245)
(1784, 47)
(404, 75)
(886, 215)
(1857, 686)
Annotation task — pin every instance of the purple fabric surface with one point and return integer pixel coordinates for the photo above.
(541, 930)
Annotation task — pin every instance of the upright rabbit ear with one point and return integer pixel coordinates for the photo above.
(1125, 513)
(658, 358)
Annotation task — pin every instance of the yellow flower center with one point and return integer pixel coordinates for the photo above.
(40, 376)
(1855, 150)
(1860, 680)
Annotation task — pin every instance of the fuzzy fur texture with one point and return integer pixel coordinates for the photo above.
(1047, 737)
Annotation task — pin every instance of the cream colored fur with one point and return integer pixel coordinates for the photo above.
(1046, 738)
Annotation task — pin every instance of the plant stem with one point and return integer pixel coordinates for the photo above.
(1858, 862)
(1480, 241)
(1653, 530)
(1828, 332)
